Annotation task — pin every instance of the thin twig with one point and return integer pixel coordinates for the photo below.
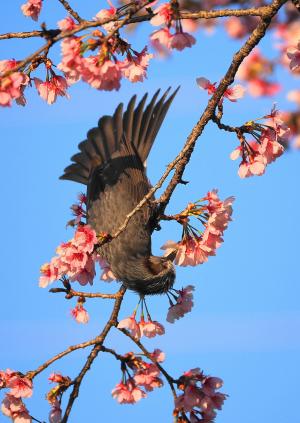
(93, 354)
(71, 293)
(71, 11)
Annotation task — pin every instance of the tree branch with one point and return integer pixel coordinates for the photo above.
(71, 11)
(31, 374)
(93, 354)
(71, 293)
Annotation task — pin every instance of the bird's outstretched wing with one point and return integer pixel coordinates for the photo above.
(137, 125)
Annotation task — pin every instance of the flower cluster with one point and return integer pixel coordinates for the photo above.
(255, 70)
(200, 397)
(32, 9)
(163, 40)
(137, 374)
(12, 86)
(265, 148)
(74, 260)
(12, 404)
(104, 70)
(147, 328)
(195, 247)
(233, 93)
(51, 88)
(184, 303)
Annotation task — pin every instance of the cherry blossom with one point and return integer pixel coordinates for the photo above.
(103, 75)
(71, 59)
(32, 9)
(180, 40)
(151, 328)
(131, 325)
(127, 393)
(49, 90)
(66, 24)
(199, 397)
(15, 409)
(12, 86)
(80, 314)
(160, 41)
(148, 377)
(256, 69)
(55, 414)
(294, 56)
(20, 386)
(232, 93)
(107, 14)
(267, 147)
(163, 15)
(184, 304)
(158, 355)
(135, 68)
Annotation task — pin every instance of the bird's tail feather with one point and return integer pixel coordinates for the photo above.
(137, 125)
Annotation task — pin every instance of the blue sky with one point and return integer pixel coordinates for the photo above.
(244, 327)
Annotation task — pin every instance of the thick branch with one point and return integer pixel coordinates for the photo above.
(93, 354)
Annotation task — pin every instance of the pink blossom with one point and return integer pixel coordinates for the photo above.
(235, 92)
(32, 9)
(15, 409)
(56, 378)
(85, 238)
(148, 377)
(206, 85)
(158, 355)
(232, 93)
(71, 59)
(294, 95)
(50, 274)
(107, 14)
(163, 15)
(13, 85)
(260, 87)
(55, 414)
(107, 274)
(181, 40)
(151, 328)
(294, 56)
(160, 41)
(239, 27)
(184, 304)
(66, 24)
(135, 68)
(127, 393)
(131, 325)
(80, 314)
(87, 274)
(19, 386)
(49, 90)
(102, 76)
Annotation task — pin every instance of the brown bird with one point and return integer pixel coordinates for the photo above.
(112, 164)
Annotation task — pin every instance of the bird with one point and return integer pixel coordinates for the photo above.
(111, 162)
